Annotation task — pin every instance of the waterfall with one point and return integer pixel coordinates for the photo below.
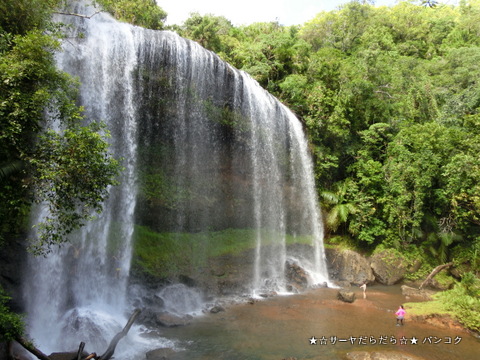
(205, 149)
(85, 282)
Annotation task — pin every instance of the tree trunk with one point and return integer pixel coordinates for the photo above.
(433, 273)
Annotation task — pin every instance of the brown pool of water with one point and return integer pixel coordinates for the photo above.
(315, 325)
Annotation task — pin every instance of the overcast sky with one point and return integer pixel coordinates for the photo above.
(241, 12)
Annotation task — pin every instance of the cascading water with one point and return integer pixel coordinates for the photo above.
(180, 299)
(78, 292)
(205, 149)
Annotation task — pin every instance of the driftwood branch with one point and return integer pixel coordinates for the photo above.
(106, 356)
(80, 350)
(433, 273)
(31, 348)
(78, 15)
(113, 344)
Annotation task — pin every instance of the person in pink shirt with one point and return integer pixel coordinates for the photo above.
(400, 315)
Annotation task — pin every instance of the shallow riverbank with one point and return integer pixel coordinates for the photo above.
(315, 325)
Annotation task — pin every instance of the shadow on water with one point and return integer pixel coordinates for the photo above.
(282, 327)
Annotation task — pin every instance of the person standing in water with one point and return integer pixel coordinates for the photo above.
(364, 288)
(400, 315)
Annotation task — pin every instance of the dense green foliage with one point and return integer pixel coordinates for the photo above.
(145, 13)
(11, 324)
(462, 303)
(390, 99)
(43, 153)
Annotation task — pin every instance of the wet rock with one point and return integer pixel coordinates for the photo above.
(346, 296)
(148, 317)
(380, 355)
(14, 351)
(388, 267)
(349, 266)
(227, 274)
(187, 280)
(65, 355)
(343, 284)
(296, 276)
(84, 322)
(216, 309)
(160, 354)
(268, 294)
(170, 320)
(421, 294)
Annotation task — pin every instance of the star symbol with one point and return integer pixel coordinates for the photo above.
(414, 340)
(313, 340)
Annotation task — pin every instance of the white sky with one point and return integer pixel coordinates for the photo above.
(243, 12)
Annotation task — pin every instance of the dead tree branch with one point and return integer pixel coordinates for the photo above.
(78, 15)
(106, 356)
(80, 350)
(31, 348)
(433, 273)
(113, 344)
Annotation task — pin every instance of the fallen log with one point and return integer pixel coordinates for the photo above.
(433, 273)
(113, 344)
(31, 348)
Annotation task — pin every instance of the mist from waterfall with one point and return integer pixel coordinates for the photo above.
(204, 147)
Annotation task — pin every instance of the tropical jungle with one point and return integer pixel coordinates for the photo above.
(389, 99)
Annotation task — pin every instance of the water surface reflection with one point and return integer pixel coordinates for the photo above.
(315, 325)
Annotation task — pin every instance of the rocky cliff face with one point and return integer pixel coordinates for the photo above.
(348, 267)
(388, 268)
(231, 274)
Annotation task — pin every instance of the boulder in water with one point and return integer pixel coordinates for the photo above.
(268, 294)
(296, 276)
(170, 320)
(90, 327)
(160, 354)
(346, 296)
(216, 309)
